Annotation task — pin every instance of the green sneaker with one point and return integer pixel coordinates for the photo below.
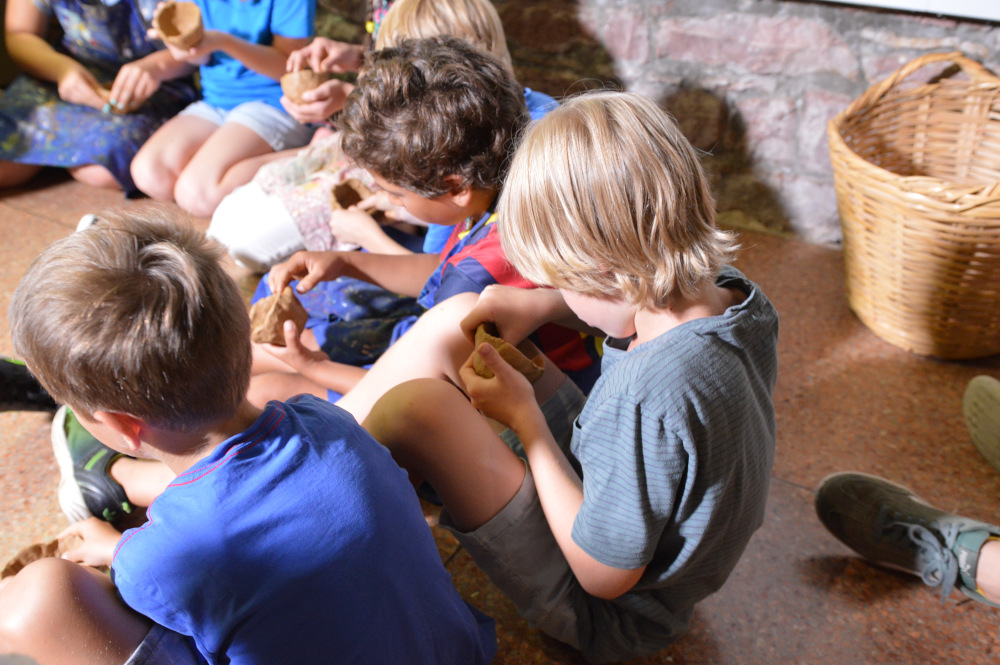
(20, 390)
(981, 408)
(891, 526)
(85, 487)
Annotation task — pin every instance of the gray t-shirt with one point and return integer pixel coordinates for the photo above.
(676, 444)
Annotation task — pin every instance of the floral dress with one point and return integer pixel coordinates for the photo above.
(37, 127)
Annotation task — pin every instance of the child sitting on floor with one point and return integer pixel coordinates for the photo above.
(286, 207)
(637, 502)
(432, 120)
(289, 535)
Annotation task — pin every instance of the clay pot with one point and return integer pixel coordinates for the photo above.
(268, 316)
(525, 357)
(293, 84)
(179, 24)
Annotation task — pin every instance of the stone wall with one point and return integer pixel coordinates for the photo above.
(752, 82)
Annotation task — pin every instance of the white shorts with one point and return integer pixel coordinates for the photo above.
(280, 130)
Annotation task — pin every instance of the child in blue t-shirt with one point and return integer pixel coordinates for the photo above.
(288, 535)
(219, 142)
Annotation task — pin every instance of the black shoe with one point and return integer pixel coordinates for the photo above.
(20, 391)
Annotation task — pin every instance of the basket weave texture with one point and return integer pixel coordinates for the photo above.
(917, 173)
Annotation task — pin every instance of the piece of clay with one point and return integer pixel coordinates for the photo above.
(525, 357)
(268, 316)
(179, 24)
(53, 548)
(293, 84)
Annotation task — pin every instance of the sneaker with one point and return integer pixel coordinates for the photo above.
(85, 487)
(891, 526)
(981, 407)
(86, 222)
(20, 391)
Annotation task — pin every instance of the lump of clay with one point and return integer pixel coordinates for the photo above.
(293, 84)
(53, 548)
(268, 316)
(179, 24)
(525, 357)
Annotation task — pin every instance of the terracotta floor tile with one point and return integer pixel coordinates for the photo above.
(844, 400)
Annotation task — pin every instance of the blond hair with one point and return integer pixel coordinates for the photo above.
(606, 197)
(475, 21)
(136, 315)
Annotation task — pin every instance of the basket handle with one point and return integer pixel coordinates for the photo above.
(976, 72)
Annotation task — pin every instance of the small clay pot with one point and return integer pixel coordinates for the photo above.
(179, 24)
(525, 357)
(293, 84)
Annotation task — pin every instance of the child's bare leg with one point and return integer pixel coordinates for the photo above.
(434, 348)
(282, 386)
(988, 570)
(459, 454)
(215, 169)
(143, 480)
(94, 175)
(160, 160)
(13, 174)
(62, 613)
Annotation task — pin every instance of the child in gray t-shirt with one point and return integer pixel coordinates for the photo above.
(639, 500)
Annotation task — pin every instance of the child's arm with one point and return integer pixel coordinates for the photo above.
(26, 27)
(519, 312)
(509, 399)
(99, 542)
(267, 60)
(138, 80)
(399, 273)
(356, 226)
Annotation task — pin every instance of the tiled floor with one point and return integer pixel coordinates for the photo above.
(844, 400)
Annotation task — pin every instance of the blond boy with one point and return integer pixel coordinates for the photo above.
(637, 502)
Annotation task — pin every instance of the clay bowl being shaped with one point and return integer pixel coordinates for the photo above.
(179, 24)
(293, 84)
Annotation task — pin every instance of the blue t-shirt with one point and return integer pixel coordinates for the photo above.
(225, 81)
(299, 541)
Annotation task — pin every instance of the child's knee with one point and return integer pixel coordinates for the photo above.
(407, 409)
(197, 195)
(151, 177)
(28, 597)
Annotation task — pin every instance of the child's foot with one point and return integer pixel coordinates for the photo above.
(981, 407)
(890, 526)
(20, 391)
(85, 487)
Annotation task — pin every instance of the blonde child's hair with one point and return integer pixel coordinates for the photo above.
(606, 197)
(475, 21)
(136, 315)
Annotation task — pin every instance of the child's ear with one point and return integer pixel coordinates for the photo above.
(129, 427)
(461, 194)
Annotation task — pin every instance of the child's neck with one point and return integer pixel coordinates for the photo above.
(711, 300)
(181, 451)
(480, 201)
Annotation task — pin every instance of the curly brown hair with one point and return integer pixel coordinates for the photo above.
(428, 109)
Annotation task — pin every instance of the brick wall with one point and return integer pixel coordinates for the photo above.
(752, 82)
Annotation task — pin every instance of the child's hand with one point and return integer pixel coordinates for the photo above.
(516, 312)
(99, 542)
(507, 398)
(355, 226)
(319, 103)
(77, 85)
(295, 354)
(379, 201)
(310, 268)
(325, 55)
(197, 54)
(134, 84)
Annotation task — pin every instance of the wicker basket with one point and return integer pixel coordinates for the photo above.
(917, 173)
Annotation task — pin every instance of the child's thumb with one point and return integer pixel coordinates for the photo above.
(291, 335)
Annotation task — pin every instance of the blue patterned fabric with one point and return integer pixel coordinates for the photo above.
(37, 127)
